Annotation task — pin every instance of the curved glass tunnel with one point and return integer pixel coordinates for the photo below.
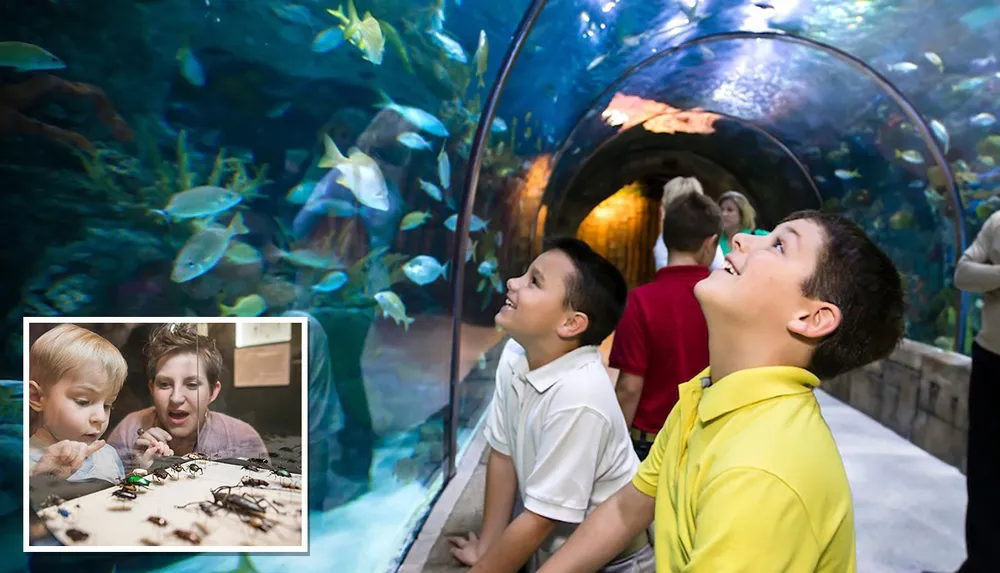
(797, 103)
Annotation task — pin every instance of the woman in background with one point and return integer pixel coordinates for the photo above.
(675, 188)
(183, 370)
(738, 216)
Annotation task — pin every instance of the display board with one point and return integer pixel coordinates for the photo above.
(257, 515)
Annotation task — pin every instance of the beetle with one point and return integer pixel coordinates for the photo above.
(242, 504)
(123, 494)
(161, 474)
(258, 461)
(177, 468)
(157, 520)
(252, 482)
(195, 469)
(134, 481)
(76, 535)
(281, 472)
(189, 536)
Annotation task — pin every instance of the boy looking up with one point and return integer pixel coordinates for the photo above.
(558, 440)
(745, 475)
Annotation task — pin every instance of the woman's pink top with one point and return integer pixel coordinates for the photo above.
(221, 437)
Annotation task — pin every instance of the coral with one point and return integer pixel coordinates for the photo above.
(15, 98)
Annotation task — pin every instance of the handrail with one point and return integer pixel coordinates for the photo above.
(465, 214)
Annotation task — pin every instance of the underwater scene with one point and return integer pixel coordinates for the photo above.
(309, 158)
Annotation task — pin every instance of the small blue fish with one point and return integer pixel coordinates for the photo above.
(983, 119)
(299, 194)
(413, 140)
(418, 117)
(476, 224)
(279, 110)
(487, 267)
(331, 282)
(425, 269)
(190, 67)
(431, 189)
(294, 13)
(498, 125)
(328, 40)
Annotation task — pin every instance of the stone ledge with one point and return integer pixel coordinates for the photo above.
(920, 392)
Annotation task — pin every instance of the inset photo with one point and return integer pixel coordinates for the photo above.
(165, 434)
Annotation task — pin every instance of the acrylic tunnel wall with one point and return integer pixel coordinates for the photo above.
(561, 117)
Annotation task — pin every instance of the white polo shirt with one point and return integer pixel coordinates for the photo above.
(563, 428)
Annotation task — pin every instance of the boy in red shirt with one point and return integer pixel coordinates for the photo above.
(662, 339)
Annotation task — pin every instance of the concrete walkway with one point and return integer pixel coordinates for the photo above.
(909, 506)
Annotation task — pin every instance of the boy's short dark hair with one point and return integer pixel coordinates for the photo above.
(598, 288)
(688, 220)
(854, 274)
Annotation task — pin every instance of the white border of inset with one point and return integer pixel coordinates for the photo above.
(254, 549)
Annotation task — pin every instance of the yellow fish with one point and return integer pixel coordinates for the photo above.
(251, 305)
(365, 33)
(482, 53)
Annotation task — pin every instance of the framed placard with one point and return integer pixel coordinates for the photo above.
(259, 333)
(258, 366)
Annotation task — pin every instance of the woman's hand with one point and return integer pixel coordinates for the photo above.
(64, 458)
(466, 551)
(151, 444)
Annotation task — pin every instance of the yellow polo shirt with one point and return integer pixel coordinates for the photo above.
(747, 477)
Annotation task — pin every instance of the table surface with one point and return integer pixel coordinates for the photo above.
(110, 522)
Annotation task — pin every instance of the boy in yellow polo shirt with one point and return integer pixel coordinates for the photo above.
(745, 475)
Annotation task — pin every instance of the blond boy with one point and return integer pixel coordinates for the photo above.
(74, 378)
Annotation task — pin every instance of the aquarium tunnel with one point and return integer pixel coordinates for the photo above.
(393, 162)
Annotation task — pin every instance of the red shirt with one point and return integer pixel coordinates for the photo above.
(662, 337)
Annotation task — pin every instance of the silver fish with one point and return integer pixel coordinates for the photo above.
(431, 189)
(199, 202)
(413, 140)
(425, 269)
(418, 117)
(444, 169)
(203, 250)
(451, 48)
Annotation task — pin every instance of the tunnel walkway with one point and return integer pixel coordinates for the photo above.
(909, 506)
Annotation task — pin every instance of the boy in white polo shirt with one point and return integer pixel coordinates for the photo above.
(558, 440)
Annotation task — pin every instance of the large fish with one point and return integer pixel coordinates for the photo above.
(203, 250)
(418, 117)
(359, 173)
(203, 201)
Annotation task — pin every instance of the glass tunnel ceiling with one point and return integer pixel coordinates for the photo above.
(777, 68)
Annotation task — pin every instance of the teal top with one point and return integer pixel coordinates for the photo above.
(724, 243)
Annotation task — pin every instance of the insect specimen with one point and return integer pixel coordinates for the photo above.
(157, 520)
(161, 474)
(177, 468)
(258, 461)
(244, 505)
(281, 472)
(53, 500)
(189, 536)
(135, 480)
(253, 482)
(63, 512)
(290, 485)
(195, 469)
(76, 535)
(123, 494)
(148, 541)
(139, 472)
(260, 524)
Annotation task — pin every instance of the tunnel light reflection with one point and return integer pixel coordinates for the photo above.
(625, 112)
